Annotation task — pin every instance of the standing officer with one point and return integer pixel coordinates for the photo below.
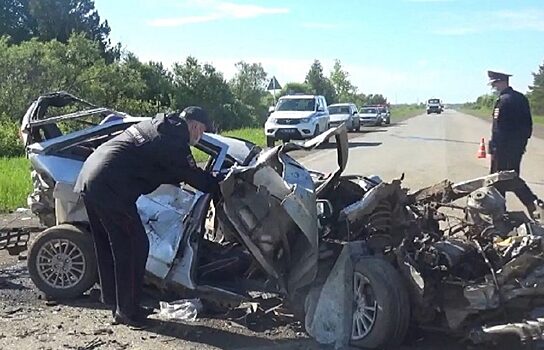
(512, 128)
(136, 162)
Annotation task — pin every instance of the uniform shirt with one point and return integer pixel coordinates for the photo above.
(512, 122)
(139, 160)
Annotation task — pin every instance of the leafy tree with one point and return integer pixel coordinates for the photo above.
(33, 68)
(360, 99)
(345, 90)
(159, 82)
(485, 101)
(376, 99)
(9, 138)
(536, 93)
(249, 83)
(203, 85)
(55, 19)
(248, 86)
(295, 88)
(319, 84)
(16, 20)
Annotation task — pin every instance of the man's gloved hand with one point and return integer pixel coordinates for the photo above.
(220, 175)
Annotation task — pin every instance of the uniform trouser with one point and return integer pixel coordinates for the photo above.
(511, 160)
(121, 246)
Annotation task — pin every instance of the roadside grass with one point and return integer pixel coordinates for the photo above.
(15, 183)
(255, 135)
(485, 113)
(403, 112)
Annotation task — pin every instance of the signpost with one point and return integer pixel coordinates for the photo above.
(273, 85)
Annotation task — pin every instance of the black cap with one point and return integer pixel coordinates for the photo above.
(198, 114)
(496, 76)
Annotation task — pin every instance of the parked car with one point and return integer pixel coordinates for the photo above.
(434, 105)
(345, 113)
(386, 114)
(371, 116)
(297, 117)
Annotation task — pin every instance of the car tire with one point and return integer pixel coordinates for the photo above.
(270, 141)
(380, 297)
(388, 121)
(64, 251)
(359, 125)
(317, 131)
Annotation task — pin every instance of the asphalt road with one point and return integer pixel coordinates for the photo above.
(429, 149)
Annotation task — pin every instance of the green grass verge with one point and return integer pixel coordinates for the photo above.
(485, 113)
(15, 183)
(255, 135)
(403, 112)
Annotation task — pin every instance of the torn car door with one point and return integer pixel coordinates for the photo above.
(273, 209)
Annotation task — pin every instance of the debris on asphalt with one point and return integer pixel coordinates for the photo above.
(183, 310)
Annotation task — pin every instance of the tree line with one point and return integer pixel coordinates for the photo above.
(74, 53)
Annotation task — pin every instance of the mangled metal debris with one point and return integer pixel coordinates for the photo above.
(460, 262)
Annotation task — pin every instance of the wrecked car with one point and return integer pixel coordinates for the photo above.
(263, 237)
(470, 267)
(358, 259)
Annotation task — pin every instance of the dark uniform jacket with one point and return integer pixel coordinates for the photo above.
(143, 157)
(512, 122)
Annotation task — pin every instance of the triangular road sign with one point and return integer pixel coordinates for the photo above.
(273, 84)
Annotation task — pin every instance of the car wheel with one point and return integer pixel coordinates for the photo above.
(352, 125)
(270, 141)
(62, 262)
(359, 125)
(316, 132)
(381, 305)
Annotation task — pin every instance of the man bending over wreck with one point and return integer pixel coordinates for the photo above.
(136, 162)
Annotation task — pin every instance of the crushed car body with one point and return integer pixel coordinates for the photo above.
(471, 268)
(357, 258)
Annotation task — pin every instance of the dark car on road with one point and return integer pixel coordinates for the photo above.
(434, 105)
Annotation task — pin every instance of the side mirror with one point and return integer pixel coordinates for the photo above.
(320, 109)
(271, 109)
(354, 112)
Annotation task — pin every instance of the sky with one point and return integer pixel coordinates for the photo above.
(406, 50)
